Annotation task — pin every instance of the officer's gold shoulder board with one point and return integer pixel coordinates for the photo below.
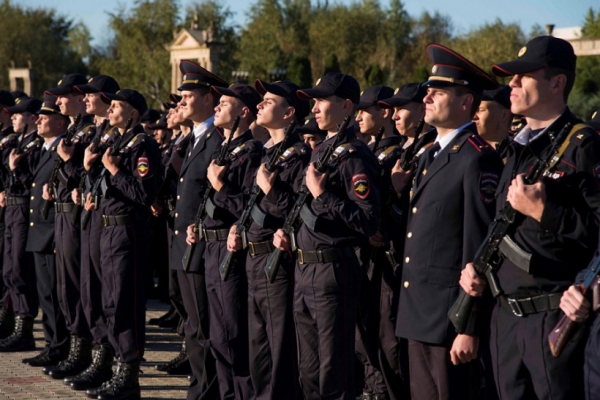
(361, 185)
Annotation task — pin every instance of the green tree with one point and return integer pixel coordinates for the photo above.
(299, 71)
(591, 25)
(331, 64)
(586, 93)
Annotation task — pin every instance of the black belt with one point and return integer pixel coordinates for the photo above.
(326, 255)
(17, 201)
(537, 303)
(111, 220)
(215, 235)
(63, 207)
(257, 248)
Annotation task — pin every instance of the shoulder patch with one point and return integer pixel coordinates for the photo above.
(143, 167)
(362, 188)
(488, 183)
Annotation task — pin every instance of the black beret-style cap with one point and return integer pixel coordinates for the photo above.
(311, 127)
(246, 93)
(371, 96)
(595, 121)
(410, 92)
(24, 105)
(452, 69)
(539, 52)
(500, 96)
(195, 77)
(99, 83)
(289, 91)
(49, 105)
(133, 97)
(333, 84)
(67, 83)
(6, 99)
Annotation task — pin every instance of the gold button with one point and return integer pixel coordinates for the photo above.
(414, 210)
(31, 224)
(409, 235)
(180, 179)
(31, 211)
(407, 260)
(176, 215)
(33, 184)
(32, 197)
(406, 284)
(177, 232)
(178, 197)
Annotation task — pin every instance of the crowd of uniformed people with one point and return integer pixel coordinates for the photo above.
(310, 241)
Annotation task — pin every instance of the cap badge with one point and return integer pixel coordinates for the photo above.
(434, 70)
(59, 82)
(17, 101)
(396, 91)
(361, 93)
(318, 81)
(91, 79)
(594, 116)
(522, 51)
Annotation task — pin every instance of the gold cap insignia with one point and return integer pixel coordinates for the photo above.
(397, 90)
(522, 51)
(91, 79)
(434, 70)
(318, 81)
(59, 82)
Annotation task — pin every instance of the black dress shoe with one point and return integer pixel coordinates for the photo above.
(43, 360)
(170, 322)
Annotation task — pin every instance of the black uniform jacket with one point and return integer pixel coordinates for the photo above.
(19, 180)
(565, 239)
(191, 187)
(451, 207)
(40, 237)
(349, 209)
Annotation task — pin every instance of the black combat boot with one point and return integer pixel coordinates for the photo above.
(123, 385)
(180, 365)
(22, 337)
(7, 322)
(80, 357)
(159, 320)
(97, 373)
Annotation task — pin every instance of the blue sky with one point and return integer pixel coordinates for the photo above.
(465, 14)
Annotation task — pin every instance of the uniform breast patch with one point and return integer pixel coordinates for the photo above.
(142, 166)
(488, 183)
(360, 182)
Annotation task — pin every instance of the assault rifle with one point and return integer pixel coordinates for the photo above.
(274, 260)
(220, 161)
(409, 152)
(488, 257)
(560, 334)
(95, 149)
(114, 151)
(20, 148)
(67, 141)
(245, 219)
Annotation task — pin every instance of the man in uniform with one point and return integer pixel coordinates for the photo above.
(342, 216)
(100, 370)
(311, 134)
(18, 270)
(493, 117)
(451, 208)
(197, 104)
(271, 323)
(555, 234)
(40, 238)
(129, 189)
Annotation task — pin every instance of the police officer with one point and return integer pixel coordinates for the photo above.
(556, 233)
(18, 270)
(450, 208)
(40, 239)
(344, 212)
(311, 134)
(129, 188)
(197, 104)
(68, 245)
(493, 117)
(270, 314)
(100, 370)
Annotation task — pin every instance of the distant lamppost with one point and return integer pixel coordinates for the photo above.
(549, 29)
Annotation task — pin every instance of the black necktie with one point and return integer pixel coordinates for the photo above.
(43, 151)
(430, 156)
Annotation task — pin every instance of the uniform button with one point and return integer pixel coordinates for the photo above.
(32, 197)
(31, 224)
(409, 235)
(178, 197)
(31, 211)
(33, 184)
(180, 179)
(406, 284)
(414, 210)
(407, 260)
(177, 232)
(176, 215)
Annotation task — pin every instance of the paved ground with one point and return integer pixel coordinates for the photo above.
(20, 381)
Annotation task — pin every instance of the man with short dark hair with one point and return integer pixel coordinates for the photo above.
(555, 232)
(493, 117)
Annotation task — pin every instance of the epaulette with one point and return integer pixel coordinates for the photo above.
(136, 139)
(422, 149)
(477, 142)
(7, 139)
(582, 134)
(244, 146)
(34, 143)
(386, 153)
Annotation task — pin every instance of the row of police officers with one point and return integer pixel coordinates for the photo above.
(293, 253)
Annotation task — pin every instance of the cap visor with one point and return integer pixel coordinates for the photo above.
(364, 104)
(112, 96)
(263, 87)
(393, 102)
(85, 89)
(514, 67)
(14, 110)
(59, 91)
(308, 94)
(221, 91)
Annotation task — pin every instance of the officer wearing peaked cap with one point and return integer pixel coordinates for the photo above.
(554, 237)
(197, 104)
(451, 206)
